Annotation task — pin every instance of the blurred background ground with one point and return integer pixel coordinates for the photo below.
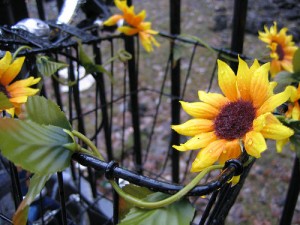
(262, 198)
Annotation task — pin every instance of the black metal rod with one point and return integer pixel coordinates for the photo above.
(99, 77)
(134, 103)
(17, 193)
(238, 28)
(175, 87)
(292, 195)
(62, 198)
(40, 8)
(154, 184)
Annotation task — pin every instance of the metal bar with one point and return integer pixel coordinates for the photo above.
(6, 13)
(62, 198)
(238, 28)
(227, 197)
(99, 77)
(40, 8)
(154, 184)
(292, 195)
(17, 193)
(175, 87)
(134, 103)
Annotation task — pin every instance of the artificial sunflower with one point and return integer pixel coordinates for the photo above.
(134, 24)
(242, 116)
(282, 48)
(18, 91)
(293, 105)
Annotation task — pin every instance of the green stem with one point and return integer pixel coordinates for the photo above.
(20, 49)
(89, 143)
(153, 205)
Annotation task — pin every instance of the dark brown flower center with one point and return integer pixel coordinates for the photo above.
(280, 52)
(235, 120)
(3, 90)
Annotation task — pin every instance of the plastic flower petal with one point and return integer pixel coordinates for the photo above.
(293, 105)
(242, 116)
(134, 24)
(282, 48)
(18, 91)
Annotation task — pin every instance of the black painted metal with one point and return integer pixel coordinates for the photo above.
(175, 88)
(40, 9)
(104, 106)
(134, 103)
(154, 184)
(238, 28)
(62, 198)
(292, 195)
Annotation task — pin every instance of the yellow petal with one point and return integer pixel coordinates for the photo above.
(24, 83)
(193, 127)
(12, 71)
(200, 109)
(227, 81)
(244, 80)
(197, 142)
(232, 150)
(276, 100)
(128, 30)
(296, 111)
(255, 143)
(11, 111)
(121, 5)
(260, 122)
(254, 66)
(113, 20)
(260, 85)
(4, 63)
(18, 100)
(208, 155)
(276, 131)
(280, 144)
(214, 99)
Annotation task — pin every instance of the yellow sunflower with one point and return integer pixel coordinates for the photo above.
(18, 91)
(242, 115)
(293, 105)
(134, 24)
(282, 48)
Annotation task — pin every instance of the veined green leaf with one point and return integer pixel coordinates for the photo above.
(136, 191)
(37, 182)
(89, 65)
(35, 147)
(296, 61)
(177, 213)
(46, 112)
(4, 102)
(48, 67)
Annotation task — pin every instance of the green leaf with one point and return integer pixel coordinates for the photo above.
(135, 191)
(4, 102)
(283, 79)
(296, 61)
(89, 65)
(37, 183)
(47, 66)
(178, 213)
(46, 112)
(35, 147)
